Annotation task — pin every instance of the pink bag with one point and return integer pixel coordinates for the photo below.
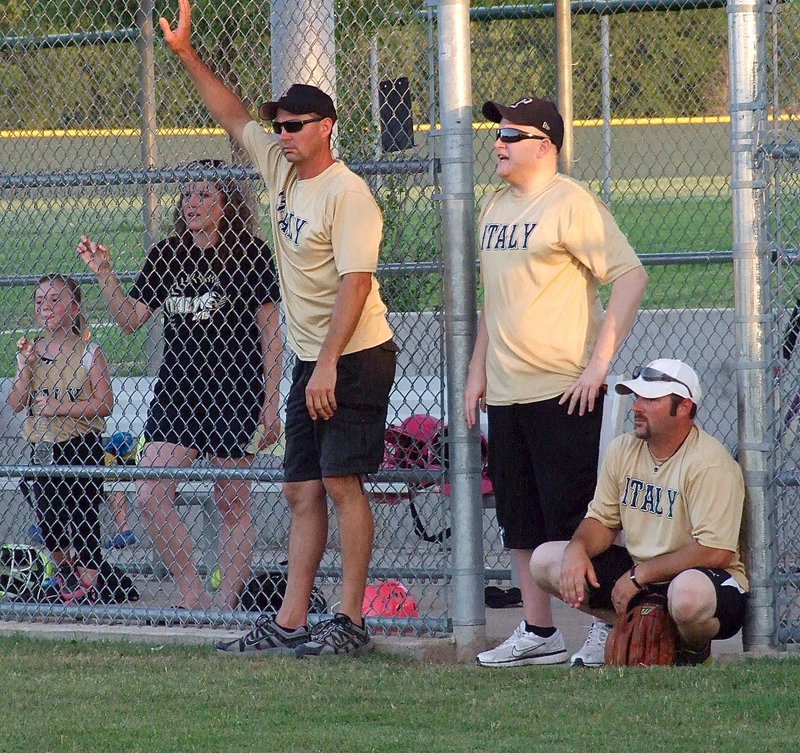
(388, 599)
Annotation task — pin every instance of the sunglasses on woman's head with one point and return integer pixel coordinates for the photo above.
(513, 135)
(292, 126)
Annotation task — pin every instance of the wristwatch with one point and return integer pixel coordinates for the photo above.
(632, 576)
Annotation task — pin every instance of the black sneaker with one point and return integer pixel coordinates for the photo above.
(691, 657)
(266, 638)
(336, 637)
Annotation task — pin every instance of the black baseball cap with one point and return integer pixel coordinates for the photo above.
(539, 113)
(300, 99)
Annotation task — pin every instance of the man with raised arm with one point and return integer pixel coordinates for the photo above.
(678, 495)
(327, 230)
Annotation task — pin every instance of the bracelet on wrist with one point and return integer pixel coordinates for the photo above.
(632, 576)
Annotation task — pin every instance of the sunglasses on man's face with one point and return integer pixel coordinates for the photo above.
(654, 375)
(292, 126)
(513, 135)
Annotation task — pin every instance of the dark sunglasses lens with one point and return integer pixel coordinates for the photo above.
(290, 126)
(651, 375)
(509, 135)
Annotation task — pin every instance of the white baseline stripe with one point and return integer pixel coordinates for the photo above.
(99, 325)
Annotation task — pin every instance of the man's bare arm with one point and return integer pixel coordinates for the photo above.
(223, 104)
(590, 539)
(626, 295)
(347, 308)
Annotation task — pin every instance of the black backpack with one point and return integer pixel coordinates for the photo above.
(264, 593)
(114, 585)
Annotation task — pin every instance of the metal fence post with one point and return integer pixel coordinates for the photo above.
(149, 154)
(563, 15)
(605, 94)
(458, 202)
(303, 45)
(752, 304)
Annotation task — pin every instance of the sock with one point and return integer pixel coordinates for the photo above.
(290, 630)
(542, 632)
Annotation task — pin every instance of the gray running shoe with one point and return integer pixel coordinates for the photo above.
(593, 651)
(266, 638)
(523, 648)
(336, 637)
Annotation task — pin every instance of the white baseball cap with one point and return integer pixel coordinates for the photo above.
(664, 376)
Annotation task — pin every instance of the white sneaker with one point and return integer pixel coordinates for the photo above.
(592, 653)
(525, 648)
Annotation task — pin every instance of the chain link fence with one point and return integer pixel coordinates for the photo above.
(103, 132)
(99, 123)
(651, 137)
(780, 166)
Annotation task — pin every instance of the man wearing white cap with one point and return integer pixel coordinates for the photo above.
(678, 495)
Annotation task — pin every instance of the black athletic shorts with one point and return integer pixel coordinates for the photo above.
(543, 467)
(616, 561)
(68, 507)
(220, 431)
(351, 442)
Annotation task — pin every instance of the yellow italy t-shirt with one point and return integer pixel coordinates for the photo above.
(696, 495)
(66, 378)
(324, 227)
(543, 256)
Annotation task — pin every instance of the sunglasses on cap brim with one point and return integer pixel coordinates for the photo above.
(654, 375)
(513, 135)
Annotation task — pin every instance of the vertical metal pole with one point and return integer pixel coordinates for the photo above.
(774, 183)
(457, 206)
(563, 14)
(430, 19)
(605, 88)
(374, 99)
(375, 106)
(303, 45)
(149, 155)
(752, 303)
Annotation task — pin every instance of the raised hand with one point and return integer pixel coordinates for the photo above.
(94, 255)
(178, 39)
(25, 353)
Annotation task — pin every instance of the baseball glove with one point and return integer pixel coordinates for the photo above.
(645, 636)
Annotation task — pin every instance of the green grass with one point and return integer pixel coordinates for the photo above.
(68, 697)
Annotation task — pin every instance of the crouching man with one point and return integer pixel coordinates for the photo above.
(678, 496)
